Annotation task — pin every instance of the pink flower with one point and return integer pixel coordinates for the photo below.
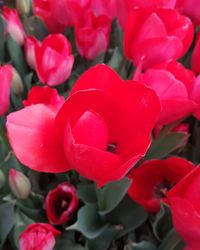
(195, 65)
(38, 236)
(42, 9)
(6, 75)
(154, 37)
(54, 59)
(13, 25)
(29, 48)
(92, 35)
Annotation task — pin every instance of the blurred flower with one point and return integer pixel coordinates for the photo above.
(103, 7)
(61, 203)
(92, 35)
(38, 236)
(42, 9)
(68, 139)
(45, 95)
(152, 180)
(13, 25)
(184, 202)
(173, 86)
(54, 59)
(30, 43)
(155, 37)
(19, 184)
(6, 75)
(195, 65)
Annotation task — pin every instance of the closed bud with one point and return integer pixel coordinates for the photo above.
(19, 184)
(2, 179)
(23, 6)
(16, 85)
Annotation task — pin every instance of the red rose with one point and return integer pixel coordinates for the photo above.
(61, 203)
(174, 87)
(152, 180)
(92, 35)
(38, 236)
(155, 37)
(101, 131)
(6, 75)
(54, 59)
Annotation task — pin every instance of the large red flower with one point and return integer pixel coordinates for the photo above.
(152, 180)
(156, 36)
(101, 131)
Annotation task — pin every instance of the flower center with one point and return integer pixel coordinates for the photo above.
(112, 148)
(61, 205)
(161, 189)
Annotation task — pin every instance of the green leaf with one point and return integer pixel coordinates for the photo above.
(87, 193)
(2, 40)
(17, 56)
(89, 222)
(104, 240)
(172, 241)
(164, 145)
(7, 220)
(116, 60)
(128, 215)
(111, 194)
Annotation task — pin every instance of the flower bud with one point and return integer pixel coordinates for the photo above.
(19, 184)
(61, 203)
(23, 6)
(16, 85)
(2, 179)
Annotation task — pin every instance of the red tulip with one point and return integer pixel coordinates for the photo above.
(42, 9)
(124, 7)
(69, 138)
(30, 44)
(103, 7)
(155, 37)
(54, 59)
(6, 75)
(184, 202)
(68, 12)
(173, 84)
(195, 65)
(152, 180)
(61, 203)
(44, 95)
(92, 35)
(38, 236)
(190, 8)
(13, 25)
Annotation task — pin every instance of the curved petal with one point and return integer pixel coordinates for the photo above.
(31, 139)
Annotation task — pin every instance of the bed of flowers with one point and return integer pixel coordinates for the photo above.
(99, 125)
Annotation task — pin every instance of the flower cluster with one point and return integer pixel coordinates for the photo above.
(99, 124)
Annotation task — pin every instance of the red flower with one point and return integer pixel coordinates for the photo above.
(42, 9)
(30, 43)
(173, 84)
(195, 65)
(92, 35)
(6, 75)
(152, 180)
(38, 236)
(103, 7)
(68, 12)
(185, 206)
(44, 95)
(100, 101)
(155, 37)
(54, 59)
(124, 7)
(13, 25)
(61, 203)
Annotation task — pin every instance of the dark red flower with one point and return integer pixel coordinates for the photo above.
(61, 203)
(155, 37)
(100, 101)
(38, 236)
(152, 180)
